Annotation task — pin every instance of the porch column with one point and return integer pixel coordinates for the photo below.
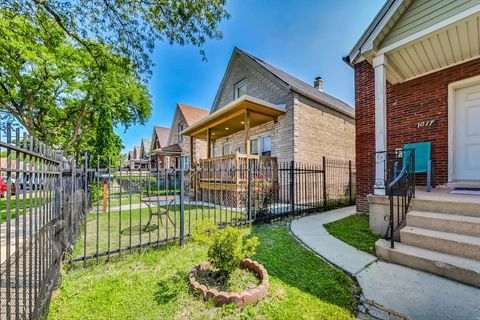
(209, 143)
(379, 65)
(247, 132)
(192, 162)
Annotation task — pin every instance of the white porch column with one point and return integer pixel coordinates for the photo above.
(379, 63)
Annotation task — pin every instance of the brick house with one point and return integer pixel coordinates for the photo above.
(261, 113)
(417, 79)
(159, 140)
(178, 147)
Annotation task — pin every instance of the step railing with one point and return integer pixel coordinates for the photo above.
(400, 191)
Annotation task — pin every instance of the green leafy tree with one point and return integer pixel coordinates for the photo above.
(55, 89)
(129, 27)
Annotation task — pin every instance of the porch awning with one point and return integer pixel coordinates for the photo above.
(231, 118)
(173, 149)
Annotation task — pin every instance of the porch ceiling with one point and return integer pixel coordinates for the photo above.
(453, 44)
(231, 118)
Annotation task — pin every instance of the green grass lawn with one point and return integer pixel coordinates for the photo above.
(23, 203)
(355, 231)
(153, 284)
(118, 223)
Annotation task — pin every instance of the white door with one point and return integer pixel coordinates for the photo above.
(467, 133)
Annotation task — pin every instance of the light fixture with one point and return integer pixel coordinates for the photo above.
(226, 128)
(213, 133)
(243, 122)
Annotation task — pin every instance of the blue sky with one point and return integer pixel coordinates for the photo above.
(306, 38)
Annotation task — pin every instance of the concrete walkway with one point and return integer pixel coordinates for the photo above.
(389, 291)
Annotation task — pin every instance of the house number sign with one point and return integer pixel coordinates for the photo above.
(425, 124)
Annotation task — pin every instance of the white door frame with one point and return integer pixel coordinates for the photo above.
(452, 87)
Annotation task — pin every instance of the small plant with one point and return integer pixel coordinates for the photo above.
(226, 247)
(203, 231)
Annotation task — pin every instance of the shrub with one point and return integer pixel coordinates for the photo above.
(226, 247)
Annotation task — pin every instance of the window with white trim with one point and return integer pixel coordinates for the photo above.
(266, 146)
(240, 88)
(180, 129)
(254, 146)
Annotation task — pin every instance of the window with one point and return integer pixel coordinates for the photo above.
(254, 146)
(227, 149)
(180, 129)
(186, 162)
(266, 146)
(241, 89)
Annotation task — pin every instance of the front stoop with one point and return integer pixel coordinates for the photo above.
(445, 265)
(441, 237)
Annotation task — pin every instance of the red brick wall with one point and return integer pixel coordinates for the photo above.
(417, 100)
(365, 131)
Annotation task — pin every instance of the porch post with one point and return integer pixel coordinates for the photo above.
(379, 63)
(191, 151)
(247, 132)
(209, 143)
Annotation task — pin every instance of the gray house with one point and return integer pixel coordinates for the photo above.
(264, 115)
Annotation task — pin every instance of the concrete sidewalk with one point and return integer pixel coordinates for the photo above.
(389, 291)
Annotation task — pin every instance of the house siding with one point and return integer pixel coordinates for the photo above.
(422, 14)
(424, 98)
(280, 130)
(259, 85)
(320, 131)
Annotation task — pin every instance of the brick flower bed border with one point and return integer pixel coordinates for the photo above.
(240, 299)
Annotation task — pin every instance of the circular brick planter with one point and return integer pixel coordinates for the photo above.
(240, 299)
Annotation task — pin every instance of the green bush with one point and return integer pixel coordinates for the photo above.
(226, 247)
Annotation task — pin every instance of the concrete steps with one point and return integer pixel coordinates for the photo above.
(446, 242)
(454, 223)
(461, 205)
(446, 265)
(441, 236)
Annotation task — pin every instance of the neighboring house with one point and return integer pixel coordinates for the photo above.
(263, 114)
(145, 152)
(179, 147)
(417, 79)
(285, 117)
(134, 160)
(159, 140)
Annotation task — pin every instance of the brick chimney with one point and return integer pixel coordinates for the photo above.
(318, 84)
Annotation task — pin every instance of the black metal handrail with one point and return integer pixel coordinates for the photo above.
(400, 191)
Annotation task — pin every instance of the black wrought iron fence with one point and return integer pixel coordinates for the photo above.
(134, 208)
(35, 223)
(53, 209)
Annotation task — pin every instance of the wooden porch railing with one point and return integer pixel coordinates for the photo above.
(233, 169)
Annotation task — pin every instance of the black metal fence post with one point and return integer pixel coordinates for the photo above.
(350, 181)
(292, 186)
(324, 184)
(182, 202)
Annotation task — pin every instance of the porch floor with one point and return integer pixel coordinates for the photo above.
(443, 194)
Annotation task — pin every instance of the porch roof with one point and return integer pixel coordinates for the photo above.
(415, 39)
(231, 118)
(173, 149)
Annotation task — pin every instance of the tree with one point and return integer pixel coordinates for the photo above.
(107, 143)
(56, 89)
(129, 27)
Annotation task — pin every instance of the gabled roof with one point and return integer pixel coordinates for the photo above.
(162, 135)
(301, 87)
(136, 152)
(146, 142)
(378, 28)
(192, 114)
